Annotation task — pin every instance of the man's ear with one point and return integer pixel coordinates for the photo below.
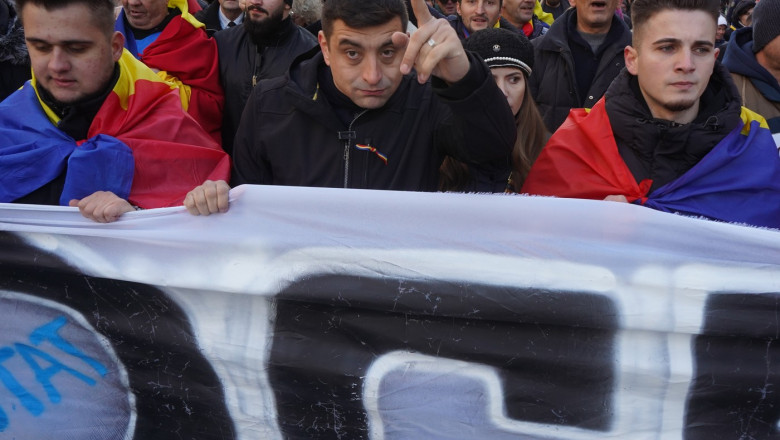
(117, 45)
(324, 46)
(630, 56)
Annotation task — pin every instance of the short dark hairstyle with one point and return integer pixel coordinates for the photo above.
(102, 11)
(360, 14)
(643, 10)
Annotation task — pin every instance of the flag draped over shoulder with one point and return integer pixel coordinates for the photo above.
(738, 181)
(141, 145)
(186, 57)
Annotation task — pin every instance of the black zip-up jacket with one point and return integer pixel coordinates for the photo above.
(243, 62)
(553, 82)
(299, 130)
(664, 150)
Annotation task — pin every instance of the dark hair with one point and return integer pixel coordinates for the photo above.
(643, 10)
(739, 10)
(532, 134)
(360, 14)
(102, 11)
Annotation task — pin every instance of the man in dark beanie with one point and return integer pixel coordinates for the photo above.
(753, 58)
(263, 47)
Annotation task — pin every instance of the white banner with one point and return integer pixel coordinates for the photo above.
(326, 313)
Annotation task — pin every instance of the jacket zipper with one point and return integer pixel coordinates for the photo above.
(347, 145)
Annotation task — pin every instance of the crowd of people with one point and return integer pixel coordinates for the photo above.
(670, 104)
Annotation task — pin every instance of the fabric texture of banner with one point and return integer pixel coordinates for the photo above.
(387, 315)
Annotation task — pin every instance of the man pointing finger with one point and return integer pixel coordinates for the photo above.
(374, 109)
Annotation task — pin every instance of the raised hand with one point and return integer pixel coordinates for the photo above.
(434, 49)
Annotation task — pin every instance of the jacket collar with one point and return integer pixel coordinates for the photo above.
(663, 150)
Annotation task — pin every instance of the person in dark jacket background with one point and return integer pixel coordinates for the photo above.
(753, 58)
(739, 16)
(357, 114)
(263, 47)
(556, 9)
(577, 59)
(220, 14)
(14, 60)
(521, 14)
(447, 7)
(475, 15)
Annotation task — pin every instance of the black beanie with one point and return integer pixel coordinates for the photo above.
(502, 48)
(766, 23)
(289, 2)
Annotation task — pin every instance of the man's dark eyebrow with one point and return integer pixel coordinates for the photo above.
(666, 41)
(66, 42)
(350, 43)
(678, 41)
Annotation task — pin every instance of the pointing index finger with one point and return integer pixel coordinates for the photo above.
(421, 12)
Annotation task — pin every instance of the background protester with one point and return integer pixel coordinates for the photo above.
(753, 58)
(739, 16)
(475, 15)
(743, 14)
(221, 14)
(577, 59)
(720, 34)
(556, 8)
(307, 13)
(447, 7)
(520, 13)
(14, 61)
(167, 38)
(510, 57)
(263, 47)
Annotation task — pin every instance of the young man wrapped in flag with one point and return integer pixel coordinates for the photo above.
(95, 128)
(670, 132)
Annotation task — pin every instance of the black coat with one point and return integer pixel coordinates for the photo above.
(240, 59)
(553, 82)
(297, 131)
(14, 60)
(210, 17)
(663, 150)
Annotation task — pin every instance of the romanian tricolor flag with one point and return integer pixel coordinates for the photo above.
(738, 181)
(141, 145)
(186, 57)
